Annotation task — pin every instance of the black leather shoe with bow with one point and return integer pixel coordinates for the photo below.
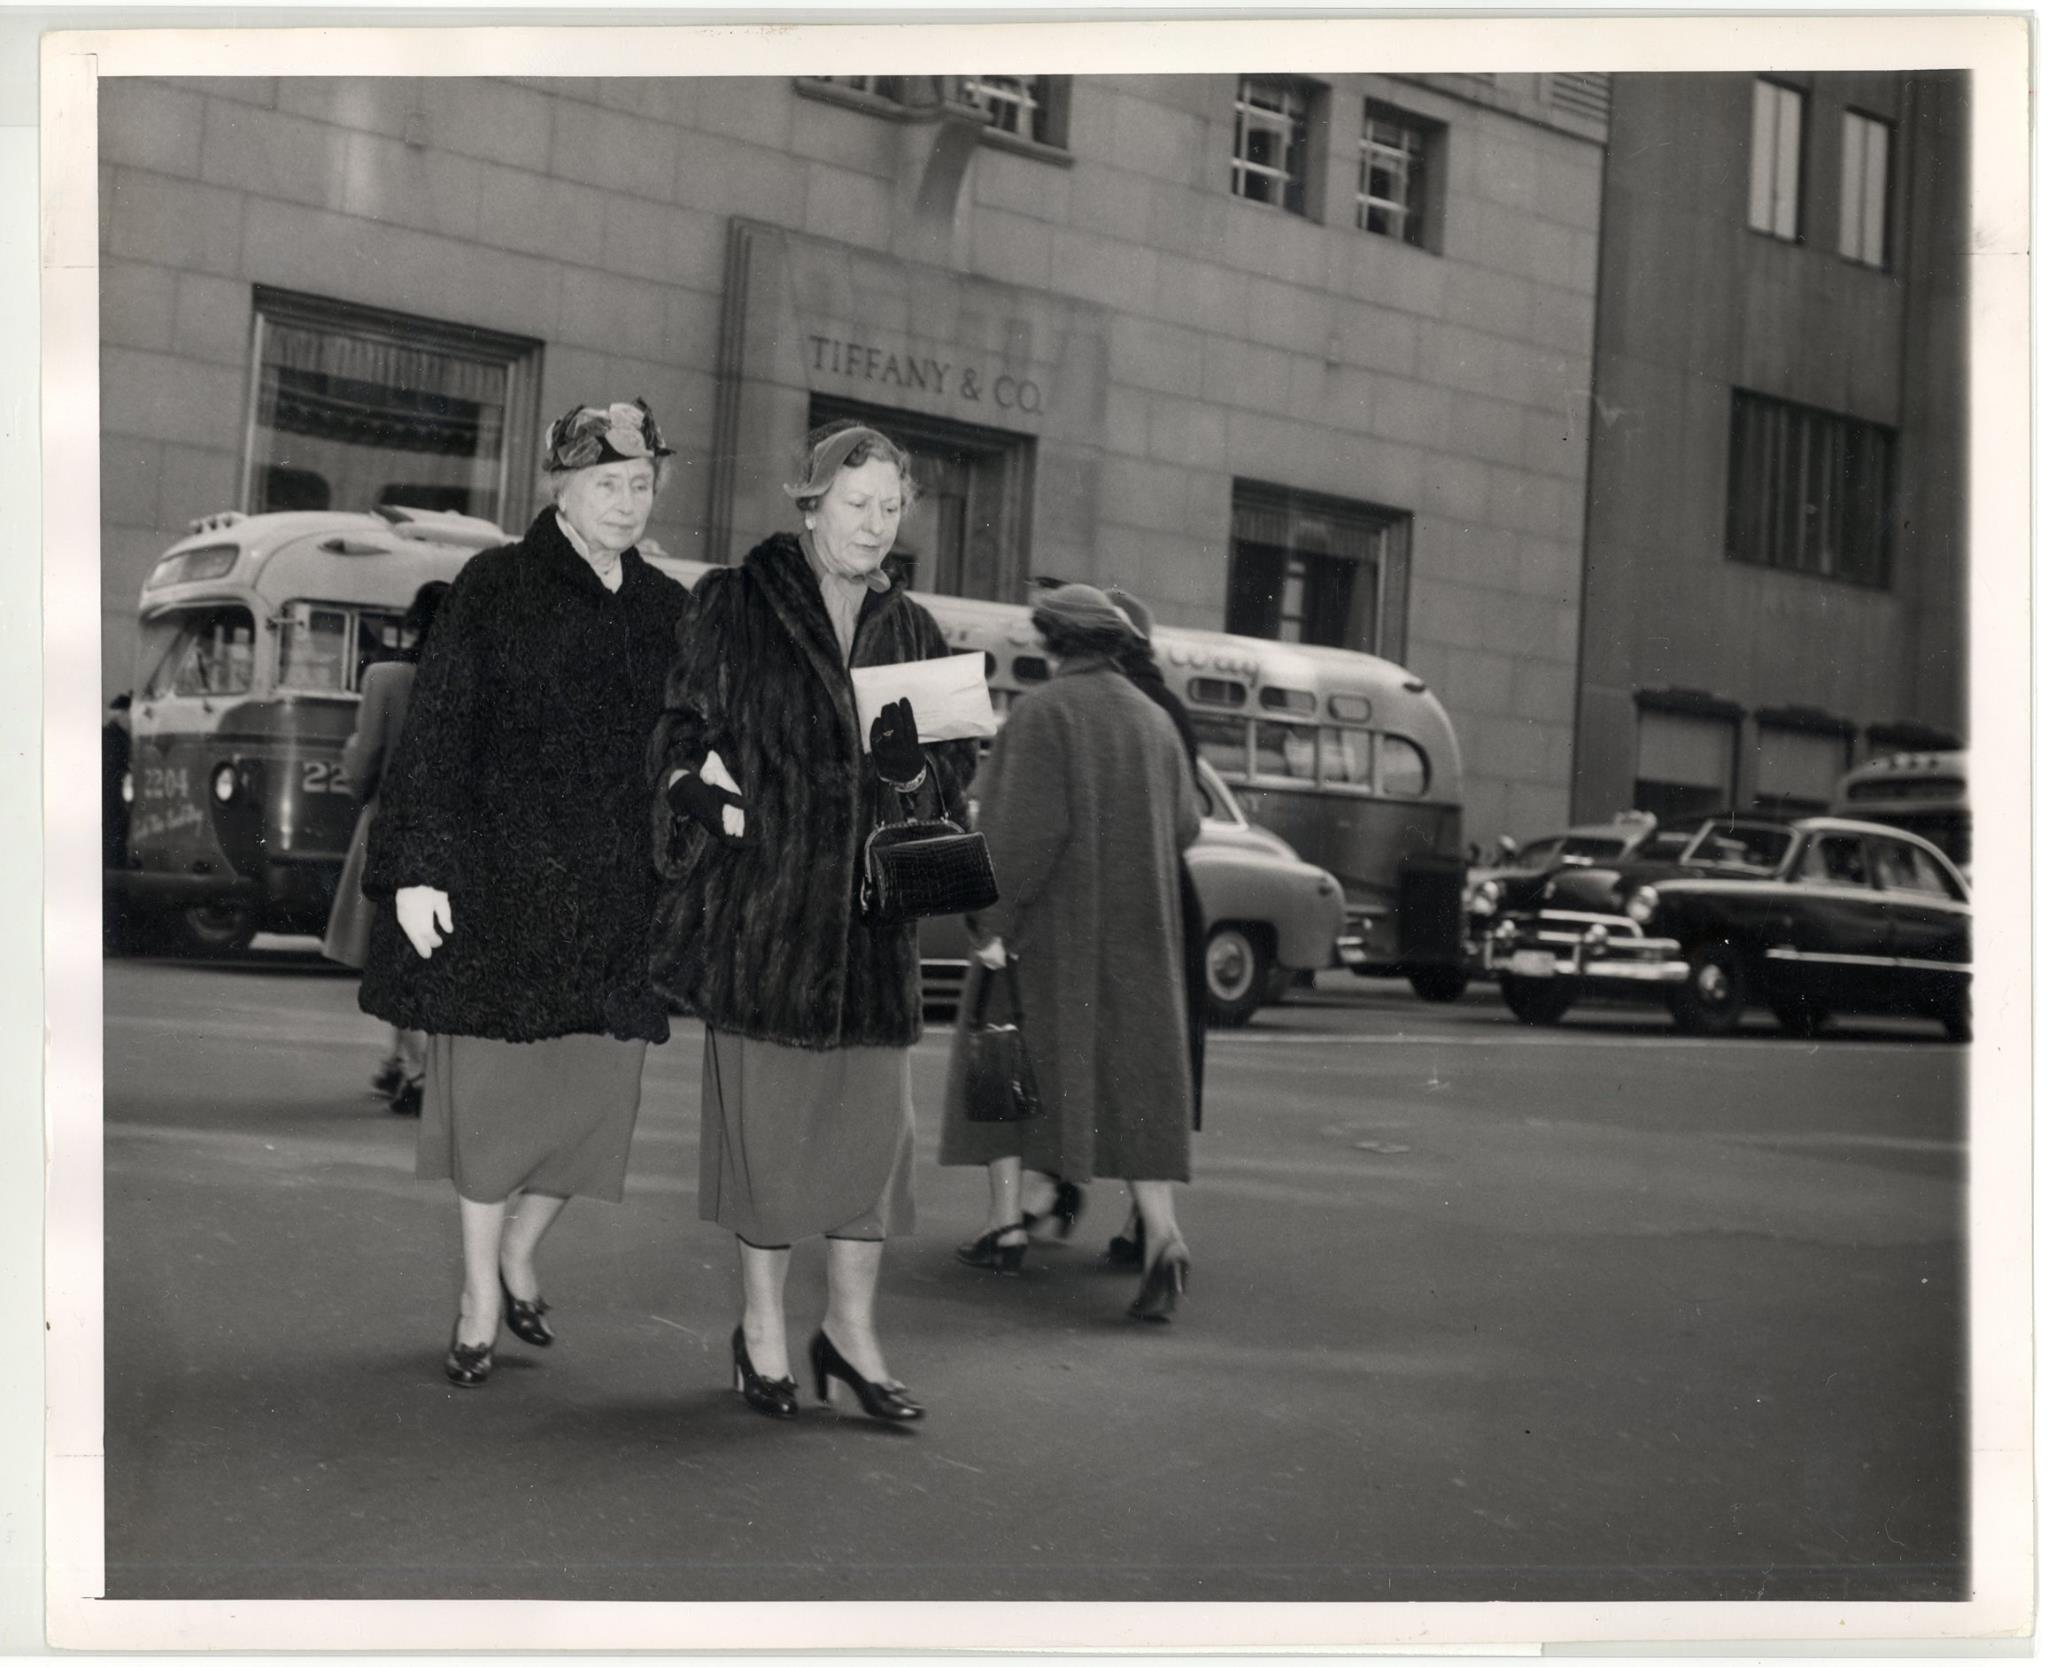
(525, 1318)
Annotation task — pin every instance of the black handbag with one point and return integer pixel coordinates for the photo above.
(996, 1084)
(912, 869)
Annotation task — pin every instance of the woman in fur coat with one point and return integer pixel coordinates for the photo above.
(767, 799)
(510, 839)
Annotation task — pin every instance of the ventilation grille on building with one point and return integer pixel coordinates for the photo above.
(1580, 95)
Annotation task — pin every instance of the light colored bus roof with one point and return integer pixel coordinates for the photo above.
(374, 561)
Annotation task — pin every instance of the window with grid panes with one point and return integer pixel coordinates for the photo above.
(1393, 155)
(1866, 176)
(1269, 158)
(1022, 105)
(1809, 490)
(1305, 568)
(1776, 129)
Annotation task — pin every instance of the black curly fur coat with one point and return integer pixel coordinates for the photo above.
(519, 789)
(767, 939)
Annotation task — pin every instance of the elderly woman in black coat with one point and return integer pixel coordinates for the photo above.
(511, 840)
(767, 798)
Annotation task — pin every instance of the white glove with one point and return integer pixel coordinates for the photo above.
(423, 915)
(992, 954)
(718, 775)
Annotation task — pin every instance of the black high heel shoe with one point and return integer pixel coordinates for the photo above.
(878, 1400)
(1165, 1282)
(1127, 1251)
(990, 1252)
(776, 1397)
(525, 1318)
(1064, 1210)
(468, 1366)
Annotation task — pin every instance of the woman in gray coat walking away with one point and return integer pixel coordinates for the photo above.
(1087, 802)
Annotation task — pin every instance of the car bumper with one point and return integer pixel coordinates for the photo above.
(1593, 948)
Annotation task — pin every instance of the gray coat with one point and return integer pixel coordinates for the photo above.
(1087, 802)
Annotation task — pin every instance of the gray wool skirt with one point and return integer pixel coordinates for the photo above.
(554, 1117)
(802, 1141)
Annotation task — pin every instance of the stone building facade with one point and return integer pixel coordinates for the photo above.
(1301, 357)
(1775, 574)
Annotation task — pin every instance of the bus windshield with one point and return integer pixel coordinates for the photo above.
(325, 647)
(200, 651)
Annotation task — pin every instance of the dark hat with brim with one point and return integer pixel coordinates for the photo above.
(588, 435)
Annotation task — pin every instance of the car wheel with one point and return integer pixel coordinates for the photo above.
(1715, 991)
(212, 929)
(1799, 1017)
(1439, 983)
(1234, 971)
(1537, 1001)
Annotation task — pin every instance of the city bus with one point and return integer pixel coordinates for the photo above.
(255, 633)
(1347, 757)
(1926, 793)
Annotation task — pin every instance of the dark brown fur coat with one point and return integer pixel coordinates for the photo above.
(767, 939)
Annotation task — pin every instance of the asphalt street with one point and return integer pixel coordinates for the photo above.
(1478, 1312)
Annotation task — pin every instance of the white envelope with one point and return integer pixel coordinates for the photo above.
(949, 696)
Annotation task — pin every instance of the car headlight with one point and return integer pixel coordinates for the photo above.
(1643, 905)
(1485, 898)
(224, 783)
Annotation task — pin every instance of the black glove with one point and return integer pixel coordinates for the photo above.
(696, 798)
(899, 759)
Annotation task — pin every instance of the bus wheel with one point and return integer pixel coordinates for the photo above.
(1536, 1001)
(1234, 969)
(1439, 983)
(1715, 991)
(213, 929)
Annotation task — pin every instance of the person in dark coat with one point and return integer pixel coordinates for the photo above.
(766, 799)
(510, 841)
(380, 722)
(1087, 801)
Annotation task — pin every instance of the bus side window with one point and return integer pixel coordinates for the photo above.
(1287, 751)
(380, 637)
(1221, 741)
(312, 654)
(1346, 758)
(1404, 771)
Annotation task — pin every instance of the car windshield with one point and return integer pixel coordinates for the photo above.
(1591, 848)
(1754, 847)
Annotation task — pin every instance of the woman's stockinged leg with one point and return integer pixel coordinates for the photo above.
(483, 1231)
(1005, 1193)
(527, 1223)
(853, 1268)
(763, 1273)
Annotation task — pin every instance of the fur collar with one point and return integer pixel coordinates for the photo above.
(778, 565)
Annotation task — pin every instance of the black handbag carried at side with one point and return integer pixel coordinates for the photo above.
(996, 1081)
(912, 869)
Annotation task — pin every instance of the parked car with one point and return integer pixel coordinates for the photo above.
(1271, 916)
(1811, 918)
(1512, 880)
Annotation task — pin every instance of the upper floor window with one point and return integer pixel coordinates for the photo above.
(1809, 490)
(1309, 569)
(1866, 178)
(356, 408)
(1032, 108)
(1777, 126)
(1394, 174)
(1269, 158)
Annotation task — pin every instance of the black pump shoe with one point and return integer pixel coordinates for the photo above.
(469, 1367)
(1063, 1211)
(1165, 1282)
(1127, 1250)
(886, 1401)
(990, 1252)
(776, 1397)
(525, 1318)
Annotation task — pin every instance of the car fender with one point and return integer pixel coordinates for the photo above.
(1302, 904)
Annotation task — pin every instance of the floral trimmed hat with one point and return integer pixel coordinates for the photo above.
(592, 434)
